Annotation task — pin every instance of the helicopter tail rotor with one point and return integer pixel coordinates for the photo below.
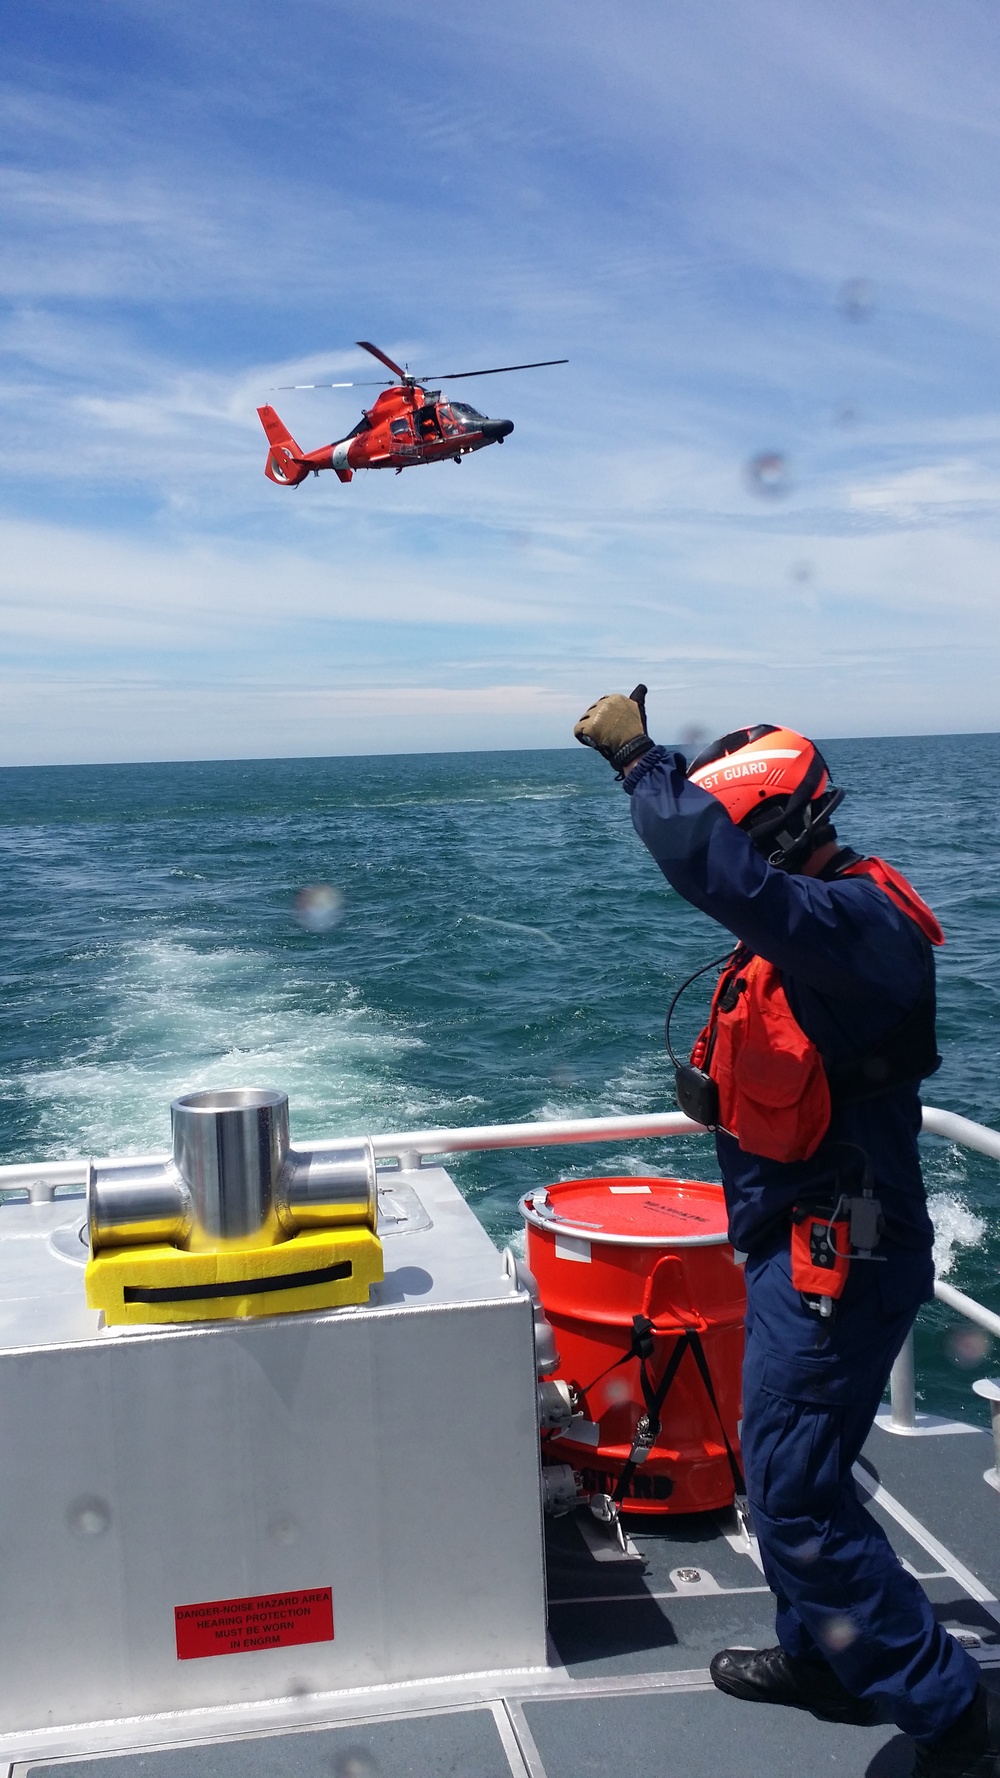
(285, 463)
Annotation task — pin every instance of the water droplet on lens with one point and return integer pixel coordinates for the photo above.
(807, 1552)
(88, 1516)
(846, 414)
(838, 1633)
(802, 573)
(693, 735)
(966, 1346)
(283, 1529)
(355, 1762)
(856, 299)
(318, 907)
(768, 474)
(561, 1075)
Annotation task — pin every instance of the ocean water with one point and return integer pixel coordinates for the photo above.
(504, 950)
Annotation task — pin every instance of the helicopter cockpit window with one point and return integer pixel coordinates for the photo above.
(463, 411)
(400, 428)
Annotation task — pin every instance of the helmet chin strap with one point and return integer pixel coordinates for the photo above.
(791, 848)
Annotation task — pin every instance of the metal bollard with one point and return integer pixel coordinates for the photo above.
(137, 1204)
(229, 1149)
(233, 1178)
(337, 1184)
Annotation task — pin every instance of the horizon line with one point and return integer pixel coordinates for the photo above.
(85, 765)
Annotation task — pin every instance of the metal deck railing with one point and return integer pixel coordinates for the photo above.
(44, 1181)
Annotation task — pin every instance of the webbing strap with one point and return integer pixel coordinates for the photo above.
(641, 1348)
(698, 1353)
(645, 1434)
(654, 1399)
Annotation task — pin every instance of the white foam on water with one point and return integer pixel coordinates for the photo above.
(518, 1242)
(176, 1019)
(955, 1226)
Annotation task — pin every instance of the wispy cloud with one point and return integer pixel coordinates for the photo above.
(197, 210)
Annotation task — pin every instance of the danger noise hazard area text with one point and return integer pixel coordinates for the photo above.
(242, 1626)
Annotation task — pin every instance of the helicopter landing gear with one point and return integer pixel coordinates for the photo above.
(458, 457)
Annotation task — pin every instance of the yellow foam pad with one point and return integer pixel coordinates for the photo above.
(323, 1269)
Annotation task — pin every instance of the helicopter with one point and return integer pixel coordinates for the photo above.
(408, 424)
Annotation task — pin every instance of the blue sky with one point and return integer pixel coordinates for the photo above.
(199, 203)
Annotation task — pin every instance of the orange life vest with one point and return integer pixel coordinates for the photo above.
(774, 1089)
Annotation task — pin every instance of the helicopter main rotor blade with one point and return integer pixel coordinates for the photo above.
(384, 384)
(389, 363)
(453, 376)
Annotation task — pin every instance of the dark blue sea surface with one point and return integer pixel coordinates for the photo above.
(506, 951)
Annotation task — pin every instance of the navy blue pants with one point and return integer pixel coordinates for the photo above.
(810, 1393)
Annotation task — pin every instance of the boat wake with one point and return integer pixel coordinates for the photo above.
(170, 1018)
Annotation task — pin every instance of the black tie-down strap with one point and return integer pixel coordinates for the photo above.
(649, 1427)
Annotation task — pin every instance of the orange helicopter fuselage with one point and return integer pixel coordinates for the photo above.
(405, 426)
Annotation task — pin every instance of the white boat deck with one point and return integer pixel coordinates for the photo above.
(626, 1687)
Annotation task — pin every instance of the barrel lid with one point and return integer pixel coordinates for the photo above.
(643, 1212)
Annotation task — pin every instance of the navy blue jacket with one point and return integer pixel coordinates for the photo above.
(852, 966)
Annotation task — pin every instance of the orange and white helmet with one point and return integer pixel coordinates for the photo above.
(774, 783)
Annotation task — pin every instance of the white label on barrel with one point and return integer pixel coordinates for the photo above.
(624, 1191)
(572, 1247)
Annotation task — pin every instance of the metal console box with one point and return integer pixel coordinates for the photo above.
(389, 1452)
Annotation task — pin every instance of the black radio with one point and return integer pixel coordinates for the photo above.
(697, 1094)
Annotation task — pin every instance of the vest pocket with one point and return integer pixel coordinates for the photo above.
(782, 1104)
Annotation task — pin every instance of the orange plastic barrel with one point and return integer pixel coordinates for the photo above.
(603, 1251)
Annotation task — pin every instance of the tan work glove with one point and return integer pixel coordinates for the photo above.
(616, 727)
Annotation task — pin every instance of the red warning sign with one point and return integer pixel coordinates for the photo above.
(241, 1626)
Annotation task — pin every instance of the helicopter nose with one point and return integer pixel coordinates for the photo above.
(497, 430)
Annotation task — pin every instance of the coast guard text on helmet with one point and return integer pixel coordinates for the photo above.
(756, 766)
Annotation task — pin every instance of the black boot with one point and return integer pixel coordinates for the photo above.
(769, 1676)
(970, 1748)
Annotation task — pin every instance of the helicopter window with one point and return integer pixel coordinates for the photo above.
(400, 428)
(463, 411)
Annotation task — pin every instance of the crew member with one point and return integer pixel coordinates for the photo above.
(819, 1032)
